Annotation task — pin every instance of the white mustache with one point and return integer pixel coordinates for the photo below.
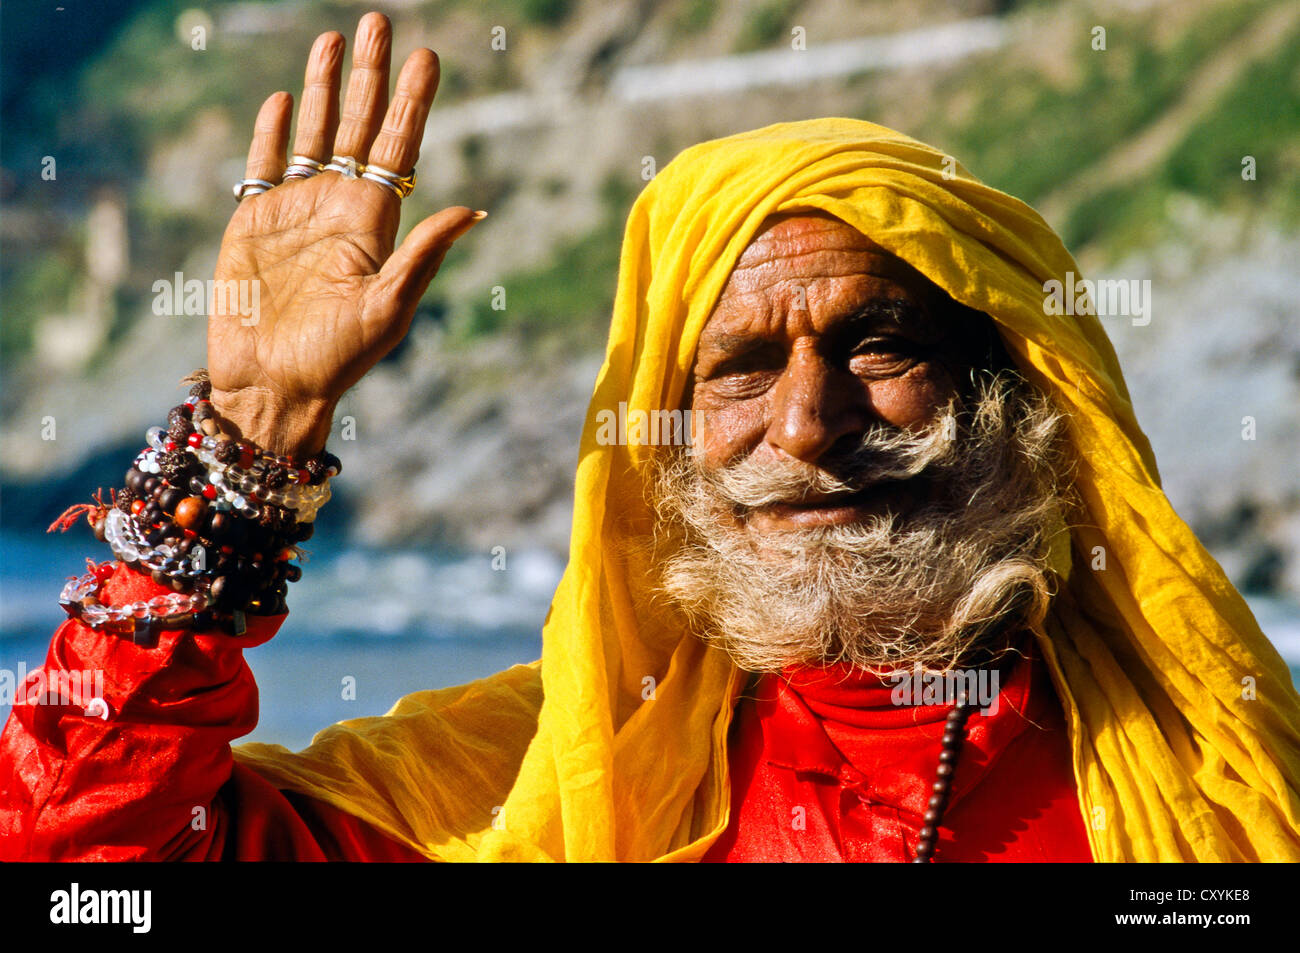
(922, 587)
(881, 456)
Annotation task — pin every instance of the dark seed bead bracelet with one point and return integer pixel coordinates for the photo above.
(232, 559)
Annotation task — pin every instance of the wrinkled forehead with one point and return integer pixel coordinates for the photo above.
(800, 247)
(809, 230)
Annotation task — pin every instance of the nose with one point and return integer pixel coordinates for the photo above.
(814, 405)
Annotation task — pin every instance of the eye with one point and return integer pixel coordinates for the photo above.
(884, 345)
(747, 373)
(884, 355)
(741, 384)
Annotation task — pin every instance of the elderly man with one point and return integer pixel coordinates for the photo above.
(911, 593)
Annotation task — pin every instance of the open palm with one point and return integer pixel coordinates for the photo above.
(332, 296)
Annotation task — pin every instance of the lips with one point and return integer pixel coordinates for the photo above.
(817, 501)
(825, 510)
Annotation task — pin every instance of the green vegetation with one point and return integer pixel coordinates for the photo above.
(548, 13)
(766, 25)
(570, 298)
(235, 75)
(1029, 137)
(1259, 117)
(695, 17)
(1024, 129)
(37, 287)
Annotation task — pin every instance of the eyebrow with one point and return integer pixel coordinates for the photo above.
(898, 312)
(730, 343)
(893, 312)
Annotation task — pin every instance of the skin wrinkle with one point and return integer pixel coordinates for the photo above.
(367, 94)
(279, 383)
(843, 273)
(319, 114)
(929, 585)
(854, 490)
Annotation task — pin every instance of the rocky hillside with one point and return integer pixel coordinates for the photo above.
(468, 433)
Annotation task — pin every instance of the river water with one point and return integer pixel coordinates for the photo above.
(366, 627)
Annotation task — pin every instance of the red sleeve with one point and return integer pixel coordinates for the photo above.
(154, 780)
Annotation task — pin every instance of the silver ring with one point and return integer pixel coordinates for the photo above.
(246, 187)
(302, 167)
(349, 167)
(402, 185)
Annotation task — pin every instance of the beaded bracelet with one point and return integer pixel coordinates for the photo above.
(232, 487)
(192, 497)
(128, 543)
(241, 472)
(157, 528)
(256, 579)
(139, 620)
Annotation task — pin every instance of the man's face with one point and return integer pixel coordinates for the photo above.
(865, 484)
(820, 334)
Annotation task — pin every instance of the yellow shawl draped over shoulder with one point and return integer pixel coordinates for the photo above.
(1182, 716)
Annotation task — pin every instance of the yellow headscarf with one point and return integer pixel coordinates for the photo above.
(1184, 723)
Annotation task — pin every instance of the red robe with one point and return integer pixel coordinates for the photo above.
(156, 780)
(826, 767)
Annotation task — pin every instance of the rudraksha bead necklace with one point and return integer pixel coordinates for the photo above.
(954, 736)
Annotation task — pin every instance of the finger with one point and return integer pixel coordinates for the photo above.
(398, 144)
(270, 138)
(411, 267)
(318, 117)
(367, 98)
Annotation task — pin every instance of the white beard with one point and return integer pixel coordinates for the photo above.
(960, 570)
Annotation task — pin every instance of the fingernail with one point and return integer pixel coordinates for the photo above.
(478, 216)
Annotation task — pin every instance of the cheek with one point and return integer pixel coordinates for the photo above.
(724, 430)
(913, 399)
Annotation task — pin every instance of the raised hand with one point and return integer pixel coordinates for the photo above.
(334, 297)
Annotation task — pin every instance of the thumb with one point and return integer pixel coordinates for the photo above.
(411, 267)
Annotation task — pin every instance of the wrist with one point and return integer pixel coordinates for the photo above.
(297, 429)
